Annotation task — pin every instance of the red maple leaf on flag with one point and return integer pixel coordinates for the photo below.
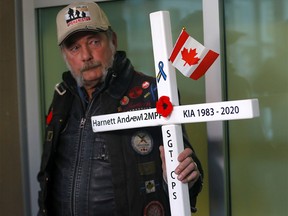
(189, 57)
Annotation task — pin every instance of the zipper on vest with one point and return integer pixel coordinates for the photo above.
(81, 127)
(82, 122)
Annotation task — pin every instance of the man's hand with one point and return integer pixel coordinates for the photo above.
(187, 170)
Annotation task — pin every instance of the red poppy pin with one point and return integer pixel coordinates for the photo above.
(164, 106)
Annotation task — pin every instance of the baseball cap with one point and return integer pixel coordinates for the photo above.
(80, 16)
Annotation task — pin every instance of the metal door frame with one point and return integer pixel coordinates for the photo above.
(30, 106)
(219, 191)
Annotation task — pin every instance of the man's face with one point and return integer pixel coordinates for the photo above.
(88, 56)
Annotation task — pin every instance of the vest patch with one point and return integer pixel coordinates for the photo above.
(154, 208)
(142, 142)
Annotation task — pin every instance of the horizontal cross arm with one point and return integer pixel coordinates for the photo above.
(218, 111)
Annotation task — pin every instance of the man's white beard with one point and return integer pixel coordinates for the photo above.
(79, 78)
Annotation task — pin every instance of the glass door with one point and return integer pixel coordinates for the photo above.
(253, 170)
(256, 47)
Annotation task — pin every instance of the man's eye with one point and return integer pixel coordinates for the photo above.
(74, 48)
(95, 42)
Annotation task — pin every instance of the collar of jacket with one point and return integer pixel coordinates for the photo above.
(117, 80)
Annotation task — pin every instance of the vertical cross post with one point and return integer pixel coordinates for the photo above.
(172, 133)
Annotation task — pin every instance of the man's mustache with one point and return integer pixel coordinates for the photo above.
(89, 66)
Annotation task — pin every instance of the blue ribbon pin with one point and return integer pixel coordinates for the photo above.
(161, 71)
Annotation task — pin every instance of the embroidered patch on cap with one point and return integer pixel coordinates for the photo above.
(77, 14)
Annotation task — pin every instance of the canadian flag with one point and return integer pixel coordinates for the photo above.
(190, 57)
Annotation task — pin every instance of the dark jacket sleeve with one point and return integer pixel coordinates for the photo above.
(58, 110)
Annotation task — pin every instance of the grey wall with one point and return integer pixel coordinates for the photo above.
(11, 196)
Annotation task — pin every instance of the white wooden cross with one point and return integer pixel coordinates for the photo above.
(171, 126)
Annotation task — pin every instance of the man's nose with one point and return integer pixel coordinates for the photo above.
(86, 53)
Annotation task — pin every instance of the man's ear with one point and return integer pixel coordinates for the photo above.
(114, 39)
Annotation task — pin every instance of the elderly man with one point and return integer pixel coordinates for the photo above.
(112, 173)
